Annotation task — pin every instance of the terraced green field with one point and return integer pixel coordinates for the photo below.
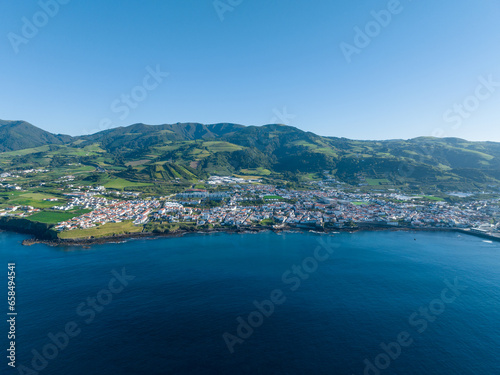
(164, 157)
(217, 146)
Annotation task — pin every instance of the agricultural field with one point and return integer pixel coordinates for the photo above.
(120, 184)
(22, 198)
(54, 217)
(310, 176)
(168, 156)
(135, 163)
(256, 171)
(377, 181)
(433, 198)
(217, 146)
(108, 229)
(26, 151)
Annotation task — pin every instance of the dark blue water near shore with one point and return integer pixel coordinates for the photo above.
(187, 292)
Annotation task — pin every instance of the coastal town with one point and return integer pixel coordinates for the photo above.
(250, 205)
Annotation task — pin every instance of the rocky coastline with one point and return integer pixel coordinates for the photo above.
(86, 242)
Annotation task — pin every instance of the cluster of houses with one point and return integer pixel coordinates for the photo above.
(227, 180)
(137, 211)
(84, 200)
(248, 204)
(15, 174)
(338, 213)
(66, 178)
(19, 211)
(196, 195)
(8, 175)
(329, 206)
(11, 186)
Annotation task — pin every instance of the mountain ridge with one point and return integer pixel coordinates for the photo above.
(221, 124)
(18, 135)
(194, 150)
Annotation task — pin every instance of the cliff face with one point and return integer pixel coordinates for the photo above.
(19, 225)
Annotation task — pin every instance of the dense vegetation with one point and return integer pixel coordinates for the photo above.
(148, 156)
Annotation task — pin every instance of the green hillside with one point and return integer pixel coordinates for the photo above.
(19, 135)
(142, 155)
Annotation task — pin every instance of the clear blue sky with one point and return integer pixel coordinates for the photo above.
(267, 61)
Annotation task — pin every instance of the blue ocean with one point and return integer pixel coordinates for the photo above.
(291, 303)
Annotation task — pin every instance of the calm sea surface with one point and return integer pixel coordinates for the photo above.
(373, 303)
